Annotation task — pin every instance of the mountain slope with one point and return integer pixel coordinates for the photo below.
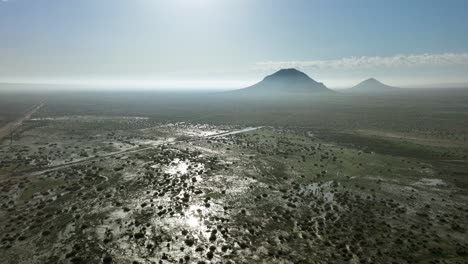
(286, 81)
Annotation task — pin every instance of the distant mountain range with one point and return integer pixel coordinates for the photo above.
(292, 81)
(371, 86)
(289, 81)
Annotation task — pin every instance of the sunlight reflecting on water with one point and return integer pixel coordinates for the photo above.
(192, 221)
(194, 217)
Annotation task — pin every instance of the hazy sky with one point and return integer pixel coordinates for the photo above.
(232, 43)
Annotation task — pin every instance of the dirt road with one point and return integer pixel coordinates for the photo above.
(122, 152)
(8, 128)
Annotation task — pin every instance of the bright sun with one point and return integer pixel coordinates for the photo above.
(194, 3)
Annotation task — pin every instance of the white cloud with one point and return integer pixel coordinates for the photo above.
(366, 62)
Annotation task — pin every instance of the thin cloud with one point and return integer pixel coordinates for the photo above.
(366, 62)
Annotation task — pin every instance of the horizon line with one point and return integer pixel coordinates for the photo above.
(195, 85)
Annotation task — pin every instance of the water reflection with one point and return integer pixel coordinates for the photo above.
(192, 221)
(194, 216)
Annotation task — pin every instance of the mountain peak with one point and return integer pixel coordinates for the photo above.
(287, 81)
(372, 85)
(288, 73)
(372, 80)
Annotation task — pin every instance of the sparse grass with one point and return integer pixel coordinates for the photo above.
(38, 186)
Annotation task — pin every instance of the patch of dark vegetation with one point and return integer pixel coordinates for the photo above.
(386, 146)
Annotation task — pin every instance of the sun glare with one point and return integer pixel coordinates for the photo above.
(194, 3)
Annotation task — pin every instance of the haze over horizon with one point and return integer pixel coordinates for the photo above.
(208, 44)
(233, 131)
